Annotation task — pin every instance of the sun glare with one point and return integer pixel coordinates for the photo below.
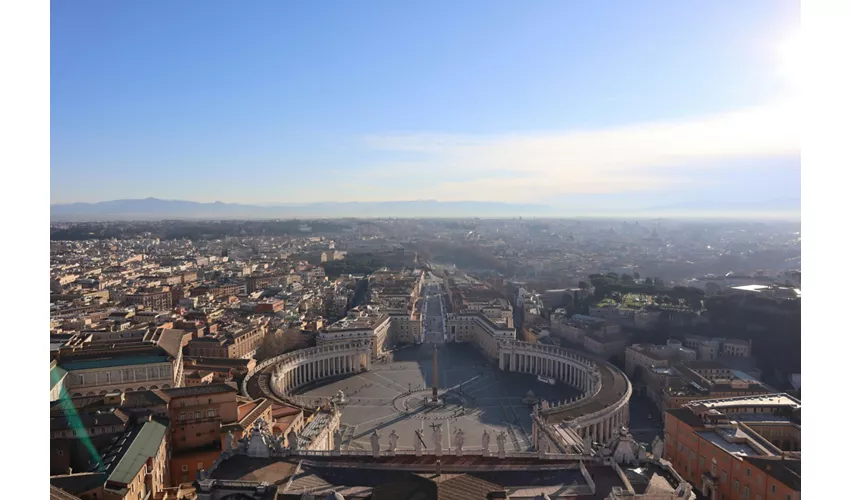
(790, 57)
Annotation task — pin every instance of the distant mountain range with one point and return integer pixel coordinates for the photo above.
(154, 208)
(157, 209)
(775, 204)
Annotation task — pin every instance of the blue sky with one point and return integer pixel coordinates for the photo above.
(561, 102)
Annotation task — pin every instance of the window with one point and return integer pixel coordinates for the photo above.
(184, 468)
(701, 461)
(746, 492)
(773, 488)
(60, 453)
(749, 472)
(200, 465)
(210, 413)
(736, 485)
(182, 416)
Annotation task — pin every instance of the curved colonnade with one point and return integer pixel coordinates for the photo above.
(288, 372)
(598, 413)
(603, 406)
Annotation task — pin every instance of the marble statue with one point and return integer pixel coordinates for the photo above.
(277, 443)
(459, 442)
(588, 444)
(485, 443)
(228, 441)
(376, 444)
(437, 437)
(337, 441)
(393, 441)
(500, 442)
(417, 443)
(657, 448)
(542, 446)
(292, 440)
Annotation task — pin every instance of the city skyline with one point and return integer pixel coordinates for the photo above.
(566, 105)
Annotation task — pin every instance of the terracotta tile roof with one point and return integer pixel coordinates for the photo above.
(198, 390)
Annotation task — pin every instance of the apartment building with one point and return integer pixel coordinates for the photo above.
(713, 348)
(238, 342)
(152, 300)
(576, 327)
(737, 448)
(644, 356)
(259, 283)
(477, 328)
(698, 380)
(98, 363)
(198, 415)
(133, 466)
(367, 324)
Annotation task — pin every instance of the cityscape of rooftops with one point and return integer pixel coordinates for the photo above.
(386, 251)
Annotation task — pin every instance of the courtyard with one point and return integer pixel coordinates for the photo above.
(392, 397)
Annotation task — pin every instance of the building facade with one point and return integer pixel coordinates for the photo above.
(737, 448)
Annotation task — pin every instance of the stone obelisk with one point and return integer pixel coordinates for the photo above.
(434, 381)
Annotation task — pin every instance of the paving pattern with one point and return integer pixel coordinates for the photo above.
(392, 397)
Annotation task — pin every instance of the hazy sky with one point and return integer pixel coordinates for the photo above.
(563, 102)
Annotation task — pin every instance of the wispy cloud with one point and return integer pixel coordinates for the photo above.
(533, 166)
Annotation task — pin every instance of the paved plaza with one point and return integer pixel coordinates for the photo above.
(392, 397)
